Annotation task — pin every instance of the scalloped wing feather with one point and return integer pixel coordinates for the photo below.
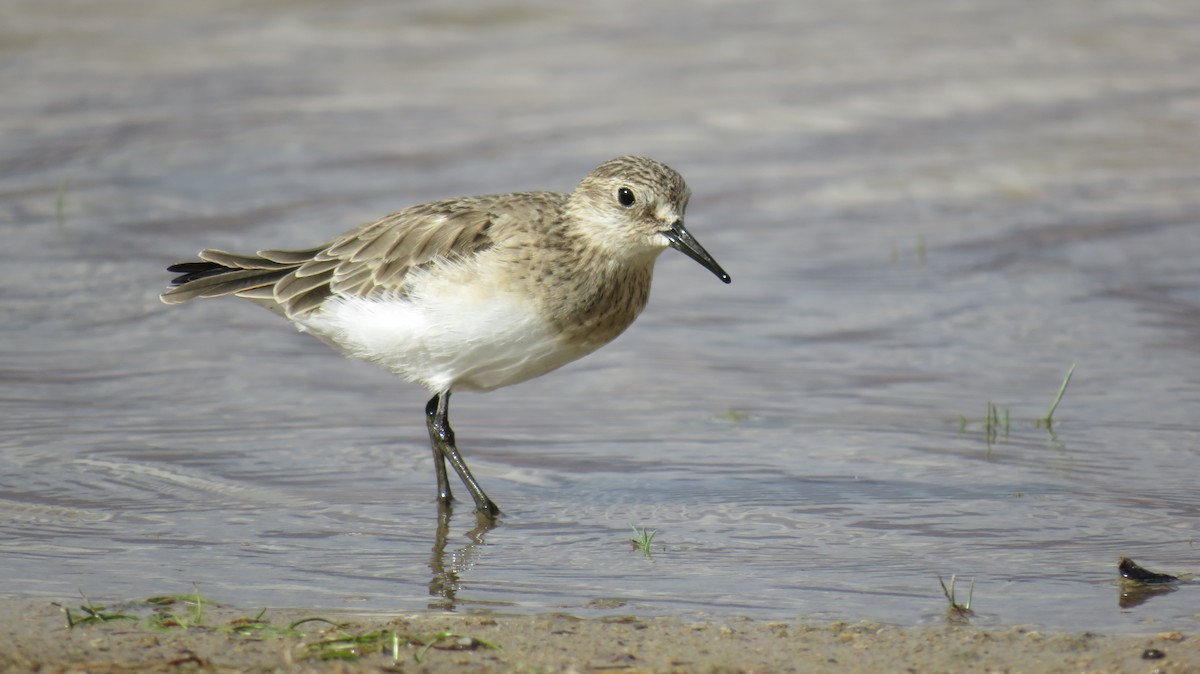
(376, 257)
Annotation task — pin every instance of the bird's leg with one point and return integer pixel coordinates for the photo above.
(442, 438)
(438, 442)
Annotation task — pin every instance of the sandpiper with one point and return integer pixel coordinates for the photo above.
(473, 293)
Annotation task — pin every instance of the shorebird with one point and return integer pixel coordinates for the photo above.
(473, 293)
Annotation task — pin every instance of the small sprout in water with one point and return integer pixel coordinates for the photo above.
(994, 423)
(643, 540)
(957, 612)
(1048, 420)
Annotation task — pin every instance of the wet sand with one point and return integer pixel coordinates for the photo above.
(36, 637)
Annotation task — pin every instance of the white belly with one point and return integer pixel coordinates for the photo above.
(446, 340)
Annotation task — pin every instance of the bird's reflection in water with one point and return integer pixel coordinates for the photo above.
(446, 565)
(1132, 595)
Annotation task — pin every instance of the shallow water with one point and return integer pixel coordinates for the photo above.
(923, 210)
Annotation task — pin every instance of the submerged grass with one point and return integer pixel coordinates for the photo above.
(733, 415)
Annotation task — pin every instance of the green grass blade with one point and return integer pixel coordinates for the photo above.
(1049, 420)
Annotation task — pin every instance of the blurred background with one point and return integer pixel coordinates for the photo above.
(930, 211)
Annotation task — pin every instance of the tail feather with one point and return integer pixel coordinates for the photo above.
(220, 273)
(191, 271)
(288, 282)
(221, 282)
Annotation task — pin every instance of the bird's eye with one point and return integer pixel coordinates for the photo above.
(625, 197)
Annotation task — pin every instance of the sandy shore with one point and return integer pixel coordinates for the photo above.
(36, 637)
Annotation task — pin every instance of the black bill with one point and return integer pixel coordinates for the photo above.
(684, 243)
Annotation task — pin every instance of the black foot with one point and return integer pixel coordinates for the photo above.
(488, 509)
